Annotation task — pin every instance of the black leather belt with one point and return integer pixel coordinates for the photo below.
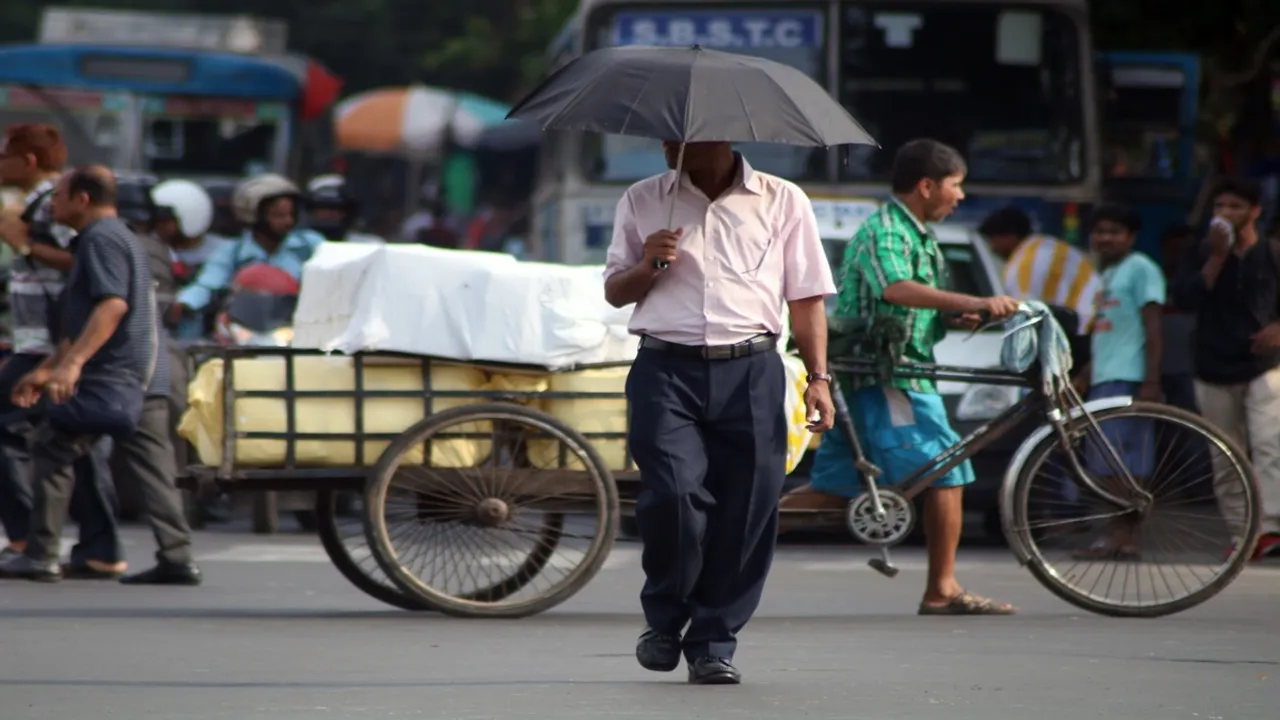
(753, 346)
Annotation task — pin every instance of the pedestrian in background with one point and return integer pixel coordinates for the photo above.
(894, 270)
(1178, 360)
(707, 391)
(1041, 267)
(1231, 280)
(98, 381)
(1127, 350)
(32, 160)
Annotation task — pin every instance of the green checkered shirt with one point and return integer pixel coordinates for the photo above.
(891, 247)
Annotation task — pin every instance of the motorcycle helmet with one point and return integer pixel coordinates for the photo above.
(251, 194)
(329, 193)
(133, 200)
(185, 202)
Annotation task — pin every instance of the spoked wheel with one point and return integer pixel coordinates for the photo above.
(344, 540)
(492, 510)
(1184, 527)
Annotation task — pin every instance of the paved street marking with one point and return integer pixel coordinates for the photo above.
(620, 558)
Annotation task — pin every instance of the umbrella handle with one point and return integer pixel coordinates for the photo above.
(671, 214)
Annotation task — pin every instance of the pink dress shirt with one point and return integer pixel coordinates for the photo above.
(740, 257)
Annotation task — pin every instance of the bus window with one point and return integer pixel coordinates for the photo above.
(787, 35)
(1143, 120)
(209, 136)
(946, 70)
(91, 123)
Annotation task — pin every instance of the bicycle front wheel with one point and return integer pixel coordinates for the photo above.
(1191, 534)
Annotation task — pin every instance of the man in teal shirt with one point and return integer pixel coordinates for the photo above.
(1127, 354)
(894, 270)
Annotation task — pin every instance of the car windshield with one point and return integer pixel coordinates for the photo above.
(91, 125)
(795, 37)
(906, 65)
(210, 136)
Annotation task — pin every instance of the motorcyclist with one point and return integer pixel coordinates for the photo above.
(268, 206)
(332, 211)
(183, 215)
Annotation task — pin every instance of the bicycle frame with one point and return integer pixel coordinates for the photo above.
(1032, 404)
(924, 477)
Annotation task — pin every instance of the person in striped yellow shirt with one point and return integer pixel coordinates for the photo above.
(1040, 267)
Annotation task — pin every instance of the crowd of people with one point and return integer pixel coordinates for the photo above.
(109, 274)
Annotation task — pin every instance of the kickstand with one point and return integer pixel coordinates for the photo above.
(883, 564)
(869, 471)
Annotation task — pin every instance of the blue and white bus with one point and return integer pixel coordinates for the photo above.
(948, 69)
(154, 93)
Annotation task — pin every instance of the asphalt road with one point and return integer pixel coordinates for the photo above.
(277, 633)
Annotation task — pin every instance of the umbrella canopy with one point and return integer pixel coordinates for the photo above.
(414, 120)
(692, 95)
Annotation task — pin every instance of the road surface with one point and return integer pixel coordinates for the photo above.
(276, 633)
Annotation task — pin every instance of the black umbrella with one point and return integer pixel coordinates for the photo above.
(690, 95)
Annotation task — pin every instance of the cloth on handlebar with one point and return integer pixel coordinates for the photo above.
(881, 339)
(1035, 336)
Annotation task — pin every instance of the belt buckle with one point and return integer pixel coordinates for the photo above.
(721, 352)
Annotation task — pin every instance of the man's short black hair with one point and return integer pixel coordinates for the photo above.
(1122, 215)
(924, 159)
(1008, 220)
(97, 183)
(1248, 190)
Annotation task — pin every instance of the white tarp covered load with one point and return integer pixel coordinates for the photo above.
(461, 305)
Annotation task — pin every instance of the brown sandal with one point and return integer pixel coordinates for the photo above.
(968, 604)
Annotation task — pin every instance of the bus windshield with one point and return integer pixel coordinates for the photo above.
(920, 69)
(91, 122)
(210, 136)
(796, 37)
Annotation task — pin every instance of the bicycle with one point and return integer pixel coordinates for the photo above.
(883, 517)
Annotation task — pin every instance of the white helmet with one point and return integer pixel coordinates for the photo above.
(190, 205)
(250, 194)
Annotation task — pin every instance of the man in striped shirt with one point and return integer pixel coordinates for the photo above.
(31, 160)
(1039, 267)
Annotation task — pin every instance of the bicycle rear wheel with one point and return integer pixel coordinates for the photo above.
(1203, 515)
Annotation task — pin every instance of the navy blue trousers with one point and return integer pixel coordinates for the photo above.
(93, 502)
(710, 440)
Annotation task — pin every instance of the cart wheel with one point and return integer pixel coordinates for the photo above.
(343, 539)
(492, 510)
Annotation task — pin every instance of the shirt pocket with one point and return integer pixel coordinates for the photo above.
(751, 246)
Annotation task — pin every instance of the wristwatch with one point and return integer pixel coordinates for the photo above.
(816, 377)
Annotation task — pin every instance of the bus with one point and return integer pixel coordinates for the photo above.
(169, 94)
(1009, 83)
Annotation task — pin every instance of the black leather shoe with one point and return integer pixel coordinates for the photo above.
(713, 671)
(22, 567)
(657, 651)
(166, 574)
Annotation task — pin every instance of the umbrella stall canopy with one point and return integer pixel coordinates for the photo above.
(413, 121)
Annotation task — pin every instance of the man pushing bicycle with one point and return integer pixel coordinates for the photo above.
(894, 268)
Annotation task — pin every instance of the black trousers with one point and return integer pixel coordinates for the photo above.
(93, 502)
(147, 455)
(710, 440)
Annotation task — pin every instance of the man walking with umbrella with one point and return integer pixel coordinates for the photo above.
(707, 389)
(712, 255)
